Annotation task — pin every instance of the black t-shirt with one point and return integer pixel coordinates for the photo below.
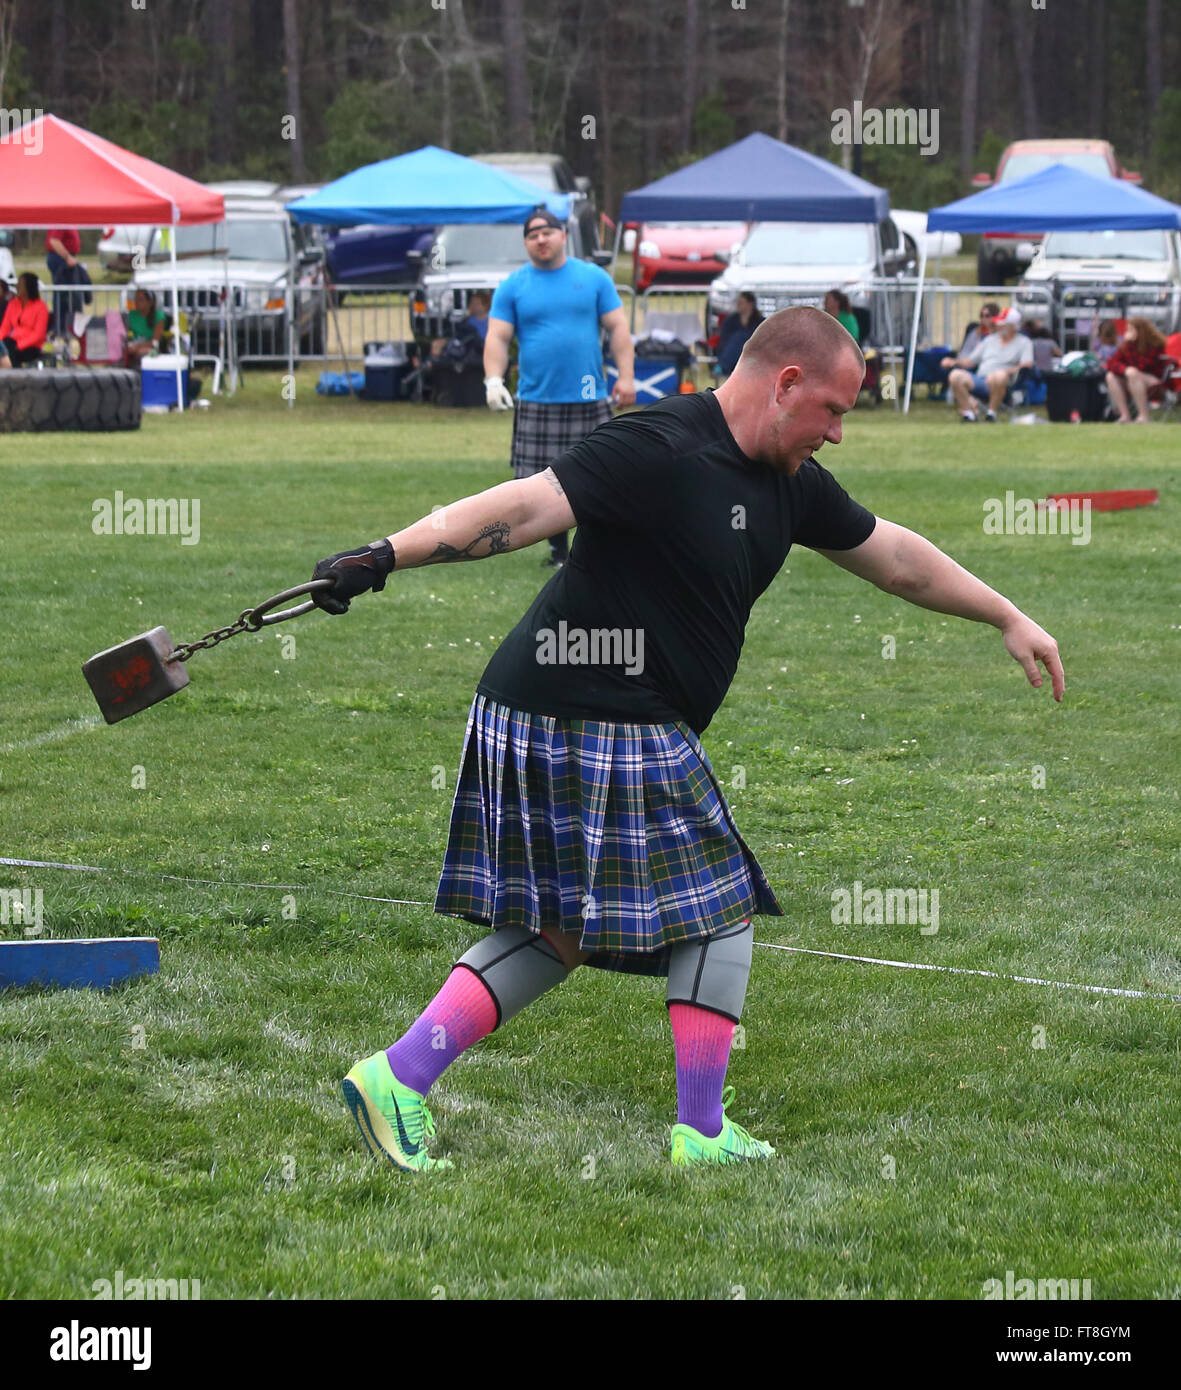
(678, 534)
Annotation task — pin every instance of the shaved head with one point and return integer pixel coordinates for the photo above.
(801, 335)
(799, 373)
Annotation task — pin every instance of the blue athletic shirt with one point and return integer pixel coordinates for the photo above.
(556, 317)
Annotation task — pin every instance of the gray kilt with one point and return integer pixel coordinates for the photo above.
(543, 432)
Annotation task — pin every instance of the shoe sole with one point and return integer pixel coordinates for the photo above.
(371, 1122)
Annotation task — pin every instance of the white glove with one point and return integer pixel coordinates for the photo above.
(497, 394)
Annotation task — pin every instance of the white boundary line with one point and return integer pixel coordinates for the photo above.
(767, 945)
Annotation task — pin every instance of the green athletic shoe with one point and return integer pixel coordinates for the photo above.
(393, 1119)
(733, 1144)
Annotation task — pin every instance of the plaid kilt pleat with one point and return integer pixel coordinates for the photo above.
(543, 432)
(618, 832)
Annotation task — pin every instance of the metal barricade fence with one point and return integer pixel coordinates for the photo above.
(949, 311)
(671, 299)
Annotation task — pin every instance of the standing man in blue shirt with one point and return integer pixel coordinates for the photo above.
(556, 307)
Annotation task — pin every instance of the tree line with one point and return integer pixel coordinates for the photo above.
(627, 90)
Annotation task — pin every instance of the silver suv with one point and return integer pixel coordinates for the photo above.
(245, 260)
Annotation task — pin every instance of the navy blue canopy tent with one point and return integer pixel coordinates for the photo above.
(1057, 199)
(758, 179)
(425, 188)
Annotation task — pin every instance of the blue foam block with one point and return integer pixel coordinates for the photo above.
(86, 963)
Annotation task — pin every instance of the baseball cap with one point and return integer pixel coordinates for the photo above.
(542, 213)
(1008, 316)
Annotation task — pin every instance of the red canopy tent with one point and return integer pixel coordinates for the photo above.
(54, 174)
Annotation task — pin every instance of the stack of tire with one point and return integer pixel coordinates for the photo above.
(79, 398)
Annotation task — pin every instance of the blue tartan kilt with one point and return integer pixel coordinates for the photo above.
(616, 832)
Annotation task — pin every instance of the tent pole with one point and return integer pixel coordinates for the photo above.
(180, 388)
(914, 328)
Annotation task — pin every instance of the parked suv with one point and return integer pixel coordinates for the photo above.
(464, 257)
(1097, 275)
(248, 257)
(786, 263)
(1001, 254)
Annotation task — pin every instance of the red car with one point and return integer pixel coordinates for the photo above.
(997, 257)
(682, 253)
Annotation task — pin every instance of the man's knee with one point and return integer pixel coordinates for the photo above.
(959, 377)
(566, 945)
(998, 380)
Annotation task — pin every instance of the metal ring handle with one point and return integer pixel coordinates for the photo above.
(256, 620)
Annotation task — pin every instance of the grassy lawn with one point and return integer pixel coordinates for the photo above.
(934, 1130)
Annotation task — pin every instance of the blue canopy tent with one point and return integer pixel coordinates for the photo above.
(758, 179)
(426, 187)
(1055, 199)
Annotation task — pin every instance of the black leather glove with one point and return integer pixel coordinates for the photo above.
(353, 572)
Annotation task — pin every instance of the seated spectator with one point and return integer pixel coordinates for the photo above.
(990, 368)
(25, 325)
(836, 303)
(1045, 349)
(981, 329)
(1138, 367)
(736, 329)
(478, 306)
(145, 327)
(1105, 341)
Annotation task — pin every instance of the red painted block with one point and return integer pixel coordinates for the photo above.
(1117, 501)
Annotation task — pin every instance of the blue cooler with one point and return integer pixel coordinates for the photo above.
(159, 380)
(386, 369)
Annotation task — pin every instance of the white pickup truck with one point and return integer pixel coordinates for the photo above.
(1103, 275)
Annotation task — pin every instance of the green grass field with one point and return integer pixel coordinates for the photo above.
(934, 1130)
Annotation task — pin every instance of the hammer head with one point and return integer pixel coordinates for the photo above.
(135, 674)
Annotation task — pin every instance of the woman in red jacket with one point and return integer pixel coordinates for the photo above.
(25, 324)
(1137, 367)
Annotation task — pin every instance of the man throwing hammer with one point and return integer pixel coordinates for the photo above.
(556, 306)
(588, 827)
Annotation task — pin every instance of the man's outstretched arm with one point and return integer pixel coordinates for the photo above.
(507, 517)
(906, 564)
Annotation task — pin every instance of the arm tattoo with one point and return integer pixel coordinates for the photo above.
(496, 533)
(552, 478)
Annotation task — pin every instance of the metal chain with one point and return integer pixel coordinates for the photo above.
(219, 634)
(255, 619)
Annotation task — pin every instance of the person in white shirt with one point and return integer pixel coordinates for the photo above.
(990, 368)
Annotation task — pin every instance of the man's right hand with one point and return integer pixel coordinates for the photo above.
(497, 394)
(353, 572)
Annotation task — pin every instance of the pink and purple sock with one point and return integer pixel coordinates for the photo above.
(702, 1041)
(460, 1014)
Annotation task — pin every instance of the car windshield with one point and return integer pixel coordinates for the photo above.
(808, 243)
(1020, 166)
(478, 243)
(245, 239)
(1123, 246)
